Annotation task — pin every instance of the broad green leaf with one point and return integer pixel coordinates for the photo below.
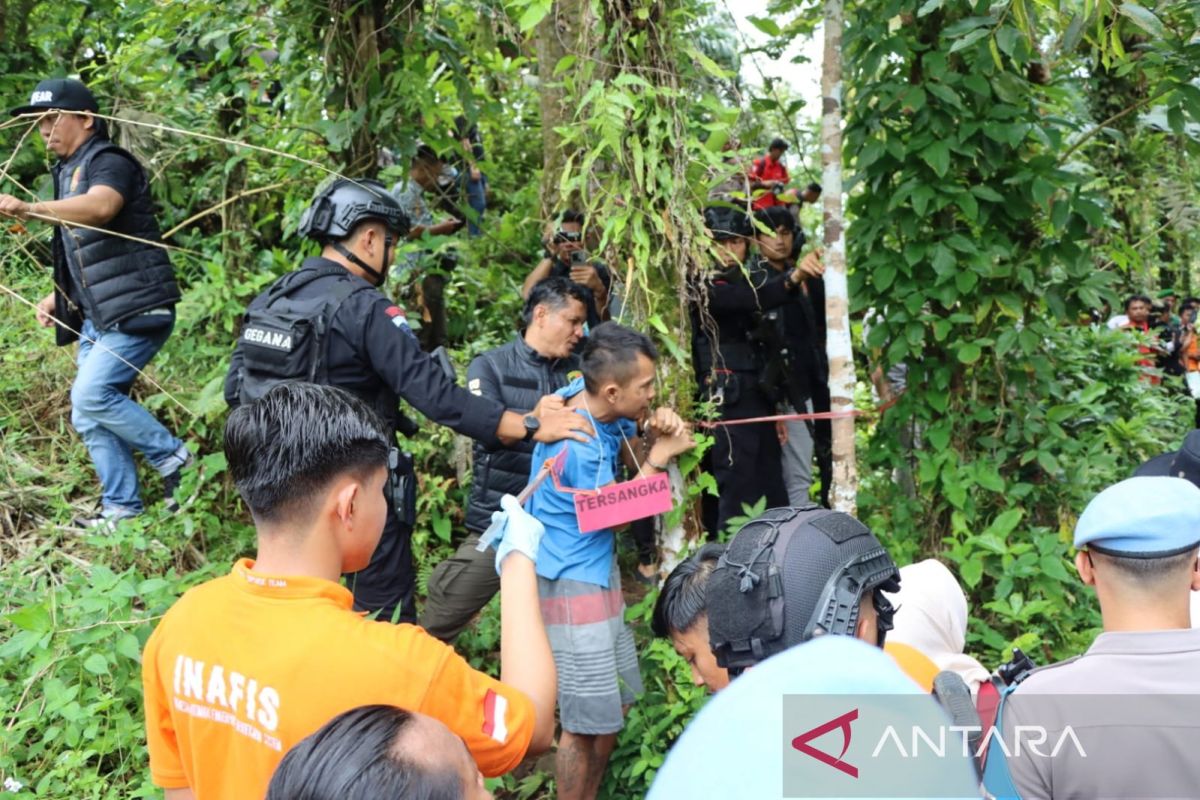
(564, 64)
(535, 12)
(1005, 522)
(989, 477)
(968, 24)
(765, 24)
(1142, 17)
(96, 664)
(969, 353)
(441, 527)
(921, 197)
(129, 646)
(968, 40)
(1053, 566)
(965, 281)
(883, 277)
(987, 193)
(937, 156)
(1074, 33)
(1041, 190)
(939, 436)
(710, 66)
(944, 93)
(1007, 38)
(34, 618)
(929, 6)
(971, 571)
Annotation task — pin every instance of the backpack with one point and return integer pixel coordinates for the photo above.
(982, 714)
(286, 339)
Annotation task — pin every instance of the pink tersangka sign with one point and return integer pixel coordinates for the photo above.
(623, 502)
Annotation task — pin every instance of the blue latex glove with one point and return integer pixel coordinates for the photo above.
(521, 532)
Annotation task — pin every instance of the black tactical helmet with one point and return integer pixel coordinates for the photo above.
(726, 223)
(340, 205)
(790, 575)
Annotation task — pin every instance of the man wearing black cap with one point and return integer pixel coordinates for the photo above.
(1137, 545)
(114, 290)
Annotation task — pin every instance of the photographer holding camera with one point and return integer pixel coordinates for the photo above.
(566, 257)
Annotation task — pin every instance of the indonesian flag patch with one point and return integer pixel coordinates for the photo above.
(397, 315)
(495, 716)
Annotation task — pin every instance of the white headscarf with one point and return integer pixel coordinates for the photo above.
(931, 616)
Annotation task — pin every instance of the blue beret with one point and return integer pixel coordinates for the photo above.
(1146, 517)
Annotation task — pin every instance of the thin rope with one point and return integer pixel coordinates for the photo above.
(95, 343)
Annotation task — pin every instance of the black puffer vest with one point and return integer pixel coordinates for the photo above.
(524, 377)
(120, 277)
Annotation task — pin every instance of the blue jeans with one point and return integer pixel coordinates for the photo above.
(111, 425)
(476, 192)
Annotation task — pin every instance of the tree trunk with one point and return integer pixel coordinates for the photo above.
(558, 34)
(838, 347)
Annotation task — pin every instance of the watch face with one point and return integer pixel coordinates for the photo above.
(532, 423)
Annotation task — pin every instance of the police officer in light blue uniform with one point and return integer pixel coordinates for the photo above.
(1137, 546)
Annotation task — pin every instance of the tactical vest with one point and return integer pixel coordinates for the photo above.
(287, 339)
(119, 277)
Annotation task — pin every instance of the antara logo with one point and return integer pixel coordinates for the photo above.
(801, 742)
(41, 97)
(279, 340)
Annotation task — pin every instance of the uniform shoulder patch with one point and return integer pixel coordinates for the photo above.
(397, 315)
(473, 386)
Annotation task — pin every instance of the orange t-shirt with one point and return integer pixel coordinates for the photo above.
(245, 666)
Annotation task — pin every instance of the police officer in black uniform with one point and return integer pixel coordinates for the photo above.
(792, 341)
(730, 365)
(345, 332)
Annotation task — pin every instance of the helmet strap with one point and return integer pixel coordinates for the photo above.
(358, 262)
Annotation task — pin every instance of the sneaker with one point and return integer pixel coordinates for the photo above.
(171, 483)
(105, 521)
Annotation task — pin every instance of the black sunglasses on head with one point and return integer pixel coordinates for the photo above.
(568, 236)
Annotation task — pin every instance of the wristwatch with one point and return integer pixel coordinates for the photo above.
(532, 424)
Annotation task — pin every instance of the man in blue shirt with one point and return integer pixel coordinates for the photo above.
(578, 580)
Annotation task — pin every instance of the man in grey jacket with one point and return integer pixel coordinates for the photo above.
(517, 374)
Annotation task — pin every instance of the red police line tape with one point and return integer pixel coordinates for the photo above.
(854, 412)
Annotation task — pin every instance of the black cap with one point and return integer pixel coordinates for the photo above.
(59, 94)
(1183, 463)
(778, 143)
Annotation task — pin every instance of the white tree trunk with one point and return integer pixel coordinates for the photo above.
(844, 491)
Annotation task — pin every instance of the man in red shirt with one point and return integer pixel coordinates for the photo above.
(769, 176)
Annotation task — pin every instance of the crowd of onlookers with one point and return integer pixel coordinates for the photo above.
(1172, 352)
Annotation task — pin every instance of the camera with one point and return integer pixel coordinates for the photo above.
(578, 258)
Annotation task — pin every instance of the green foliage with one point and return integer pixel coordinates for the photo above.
(975, 247)
(987, 210)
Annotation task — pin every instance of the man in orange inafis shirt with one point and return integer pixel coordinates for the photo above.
(245, 666)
